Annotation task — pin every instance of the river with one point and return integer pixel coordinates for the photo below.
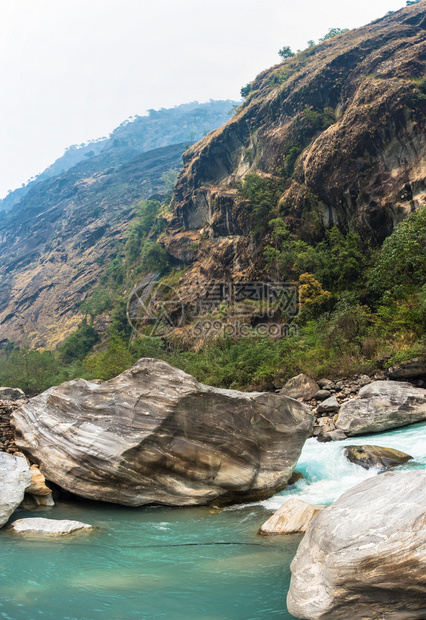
(176, 563)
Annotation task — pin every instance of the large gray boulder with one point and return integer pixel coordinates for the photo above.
(416, 367)
(156, 435)
(15, 478)
(382, 405)
(300, 386)
(364, 557)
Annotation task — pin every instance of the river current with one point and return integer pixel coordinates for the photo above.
(176, 563)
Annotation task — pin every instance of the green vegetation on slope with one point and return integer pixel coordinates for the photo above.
(361, 310)
(362, 300)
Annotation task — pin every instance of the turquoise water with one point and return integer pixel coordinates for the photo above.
(328, 474)
(143, 564)
(155, 562)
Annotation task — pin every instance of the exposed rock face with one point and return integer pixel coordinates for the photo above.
(7, 436)
(326, 384)
(38, 482)
(364, 166)
(376, 456)
(331, 435)
(39, 490)
(55, 240)
(155, 435)
(301, 386)
(15, 478)
(292, 518)
(364, 557)
(54, 243)
(295, 477)
(382, 405)
(48, 527)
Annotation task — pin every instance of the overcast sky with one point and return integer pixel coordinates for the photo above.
(71, 70)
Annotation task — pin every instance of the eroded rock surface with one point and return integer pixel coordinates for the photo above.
(38, 482)
(15, 478)
(330, 405)
(364, 557)
(155, 435)
(301, 386)
(364, 169)
(415, 367)
(382, 405)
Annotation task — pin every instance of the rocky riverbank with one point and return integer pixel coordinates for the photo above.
(326, 397)
(7, 434)
(110, 406)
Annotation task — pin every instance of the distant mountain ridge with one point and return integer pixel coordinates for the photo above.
(188, 123)
(57, 237)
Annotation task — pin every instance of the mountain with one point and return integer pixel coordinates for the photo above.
(334, 135)
(184, 123)
(304, 215)
(56, 241)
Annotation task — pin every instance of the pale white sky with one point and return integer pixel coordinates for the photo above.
(71, 70)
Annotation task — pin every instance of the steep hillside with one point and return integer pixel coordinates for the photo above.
(317, 183)
(185, 123)
(54, 247)
(336, 134)
(69, 224)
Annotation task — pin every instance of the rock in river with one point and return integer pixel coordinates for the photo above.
(382, 405)
(364, 557)
(292, 518)
(375, 456)
(156, 435)
(48, 527)
(15, 477)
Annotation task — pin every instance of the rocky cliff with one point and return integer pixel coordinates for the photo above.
(339, 130)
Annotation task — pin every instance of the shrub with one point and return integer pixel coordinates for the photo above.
(285, 52)
(333, 32)
(402, 261)
(246, 90)
(78, 345)
(148, 346)
(262, 195)
(99, 302)
(153, 257)
(111, 362)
